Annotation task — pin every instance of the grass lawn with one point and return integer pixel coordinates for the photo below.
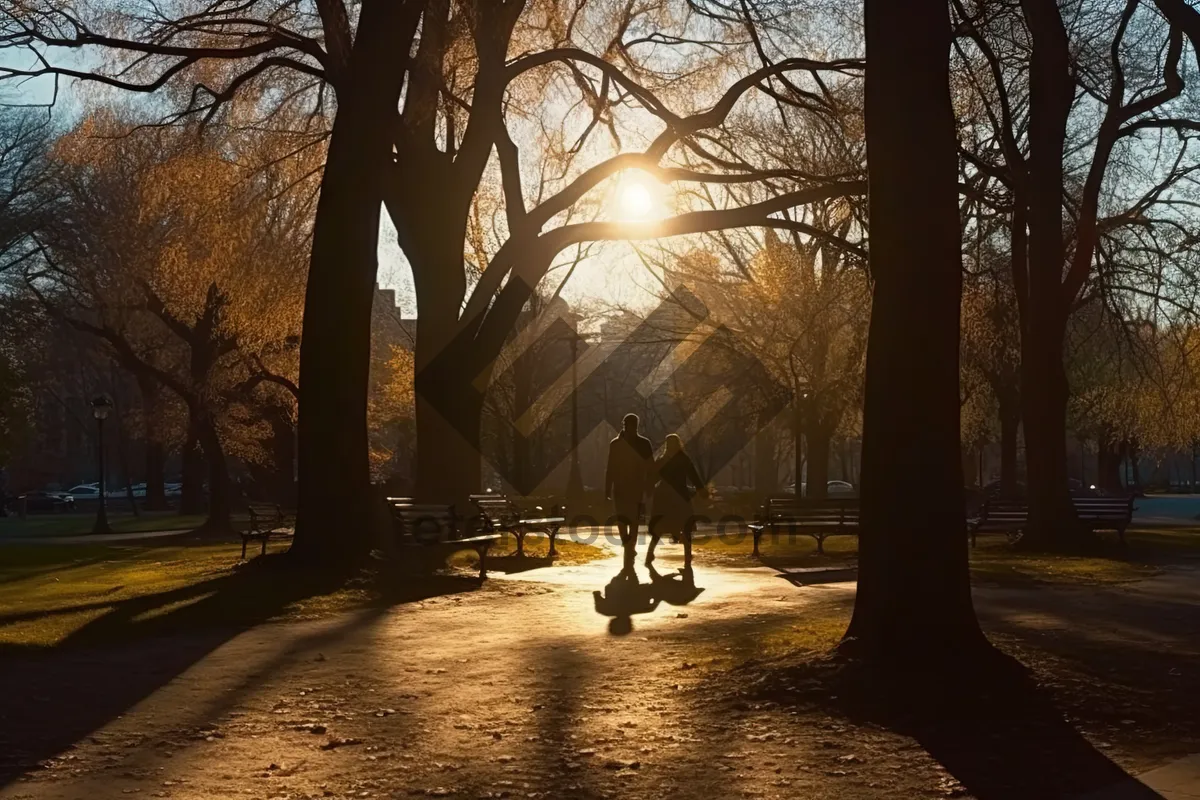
(992, 560)
(569, 553)
(55, 594)
(51, 592)
(1166, 543)
(80, 523)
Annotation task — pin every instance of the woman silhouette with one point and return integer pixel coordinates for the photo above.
(672, 509)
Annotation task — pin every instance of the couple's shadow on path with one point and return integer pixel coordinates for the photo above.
(625, 595)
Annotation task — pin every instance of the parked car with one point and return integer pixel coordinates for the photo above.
(91, 491)
(45, 502)
(832, 488)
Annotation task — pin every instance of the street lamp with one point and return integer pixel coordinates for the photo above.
(800, 409)
(101, 406)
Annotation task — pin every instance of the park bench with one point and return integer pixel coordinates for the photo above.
(819, 519)
(499, 513)
(1104, 513)
(265, 521)
(1010, 516)
(999, 515)
(437, 526)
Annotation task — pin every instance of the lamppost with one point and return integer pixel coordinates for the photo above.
(800, 408)
(101, 405)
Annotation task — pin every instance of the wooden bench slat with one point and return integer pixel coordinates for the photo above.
(444, 520)
(266, 521)
(798, 515)
(1011, 516)
(499, 512)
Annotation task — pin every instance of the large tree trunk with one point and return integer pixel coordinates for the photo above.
(1044, 396)
(1010, 422)
(449, 385)
(333, 515)
(1043, 378)
(914, 593)
(449, 417)
(452, 353)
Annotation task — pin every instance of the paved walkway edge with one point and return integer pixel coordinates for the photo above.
(91, 538)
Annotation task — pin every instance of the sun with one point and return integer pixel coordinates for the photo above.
(639, 198)
(636, 201)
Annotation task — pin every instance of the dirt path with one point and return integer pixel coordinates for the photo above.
(518, 690)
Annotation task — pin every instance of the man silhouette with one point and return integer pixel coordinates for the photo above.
(630, 467)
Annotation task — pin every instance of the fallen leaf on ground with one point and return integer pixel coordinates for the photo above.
(336, 741)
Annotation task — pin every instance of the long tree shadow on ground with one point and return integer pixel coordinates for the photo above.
(1136, 669)
(58, 695)
(1009, 740)
(995, 730)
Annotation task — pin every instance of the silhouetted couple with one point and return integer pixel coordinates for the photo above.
(633, 472)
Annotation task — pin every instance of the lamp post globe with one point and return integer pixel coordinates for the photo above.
(101, 407)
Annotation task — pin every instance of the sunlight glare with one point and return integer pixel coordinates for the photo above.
(639, 198)
(636, 201)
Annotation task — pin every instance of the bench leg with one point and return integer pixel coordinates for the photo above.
(757, 534)
(553, 536)
(520, 534)
(482, 562)
(265, 538)
(245, 539)
(820, 545)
